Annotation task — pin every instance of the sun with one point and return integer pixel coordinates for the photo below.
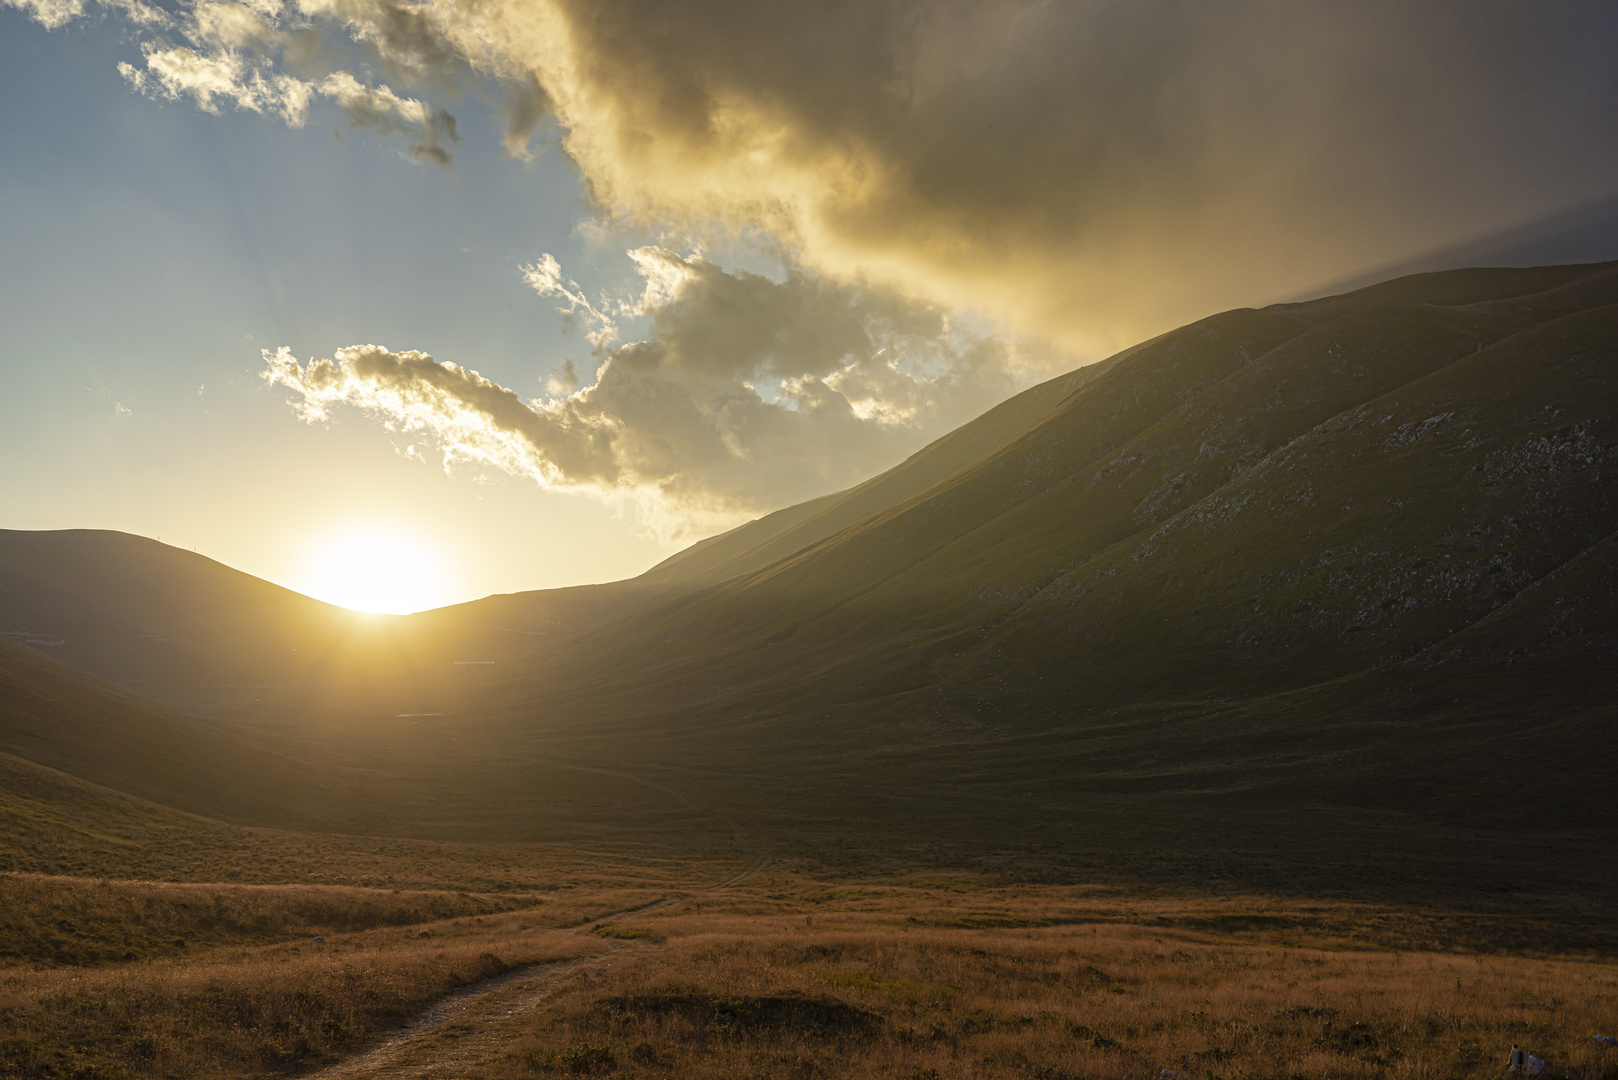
(377, 568)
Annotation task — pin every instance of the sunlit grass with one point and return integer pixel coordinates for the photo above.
(867, 995)
(791, 975)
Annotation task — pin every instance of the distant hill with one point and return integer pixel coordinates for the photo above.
(135, 610)
(180, 627)
(166, 621)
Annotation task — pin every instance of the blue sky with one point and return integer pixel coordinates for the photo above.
(153, 249)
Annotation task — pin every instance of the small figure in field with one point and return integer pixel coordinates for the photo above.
(1525, 1064)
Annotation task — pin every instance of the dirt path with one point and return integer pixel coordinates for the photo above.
(468, 1028)
(473, 1025)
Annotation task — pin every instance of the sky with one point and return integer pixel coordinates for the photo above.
(403, 302)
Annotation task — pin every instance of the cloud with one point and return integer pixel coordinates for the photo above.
(50, 13)
(598, 323)
(525, 108)
(1096, 170)
(747, 394)
(1089, 173)
(379, 109)
(224, 76)
(266, 56)
(54, 13)
(564, 382)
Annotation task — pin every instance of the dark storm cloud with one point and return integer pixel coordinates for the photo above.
(1095, 170)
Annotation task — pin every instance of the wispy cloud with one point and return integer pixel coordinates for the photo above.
(269, 57)
(747, 394)
(54, 13)
(379, 109)
(598, 321)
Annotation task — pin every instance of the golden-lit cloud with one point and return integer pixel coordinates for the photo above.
(746, 394)
(54, 13)
(1096, 171)
(1093, 171)
(265, 56)
(1086, 173)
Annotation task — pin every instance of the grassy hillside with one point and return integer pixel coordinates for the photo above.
(786, 532)
(1258, 499)
(1313, 598)
(66, 719)
(1323, 578)
(333, 767)
(176, 625)
(947, 975)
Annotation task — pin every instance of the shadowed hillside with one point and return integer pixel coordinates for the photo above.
(154, 617)
(176, 625)
(1261, 500)
(1326, 577)
(340, 768)
(1311, 597)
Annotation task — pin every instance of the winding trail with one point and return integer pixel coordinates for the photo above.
(473, 1025)
(468, 1028)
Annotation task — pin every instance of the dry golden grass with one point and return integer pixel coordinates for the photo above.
(785, 988)
(60, 921)
(788, 977)
(250, 1011)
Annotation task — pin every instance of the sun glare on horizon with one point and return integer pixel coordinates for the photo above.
(376, 569)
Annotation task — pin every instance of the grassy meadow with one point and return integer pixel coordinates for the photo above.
(787, 973)
(852, 993)
(248, 1011)
(131, 978)
(1238, 711)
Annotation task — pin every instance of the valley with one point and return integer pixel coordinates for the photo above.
(1280, 647)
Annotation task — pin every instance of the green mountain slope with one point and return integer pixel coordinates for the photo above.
(1260, 500)
(781, 534)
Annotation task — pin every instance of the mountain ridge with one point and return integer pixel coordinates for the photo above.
(779, 570)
